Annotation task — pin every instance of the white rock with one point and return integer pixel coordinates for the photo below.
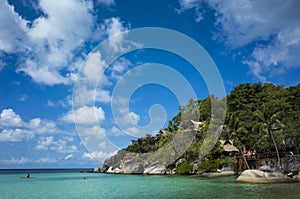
(155, 170)
(257, 176)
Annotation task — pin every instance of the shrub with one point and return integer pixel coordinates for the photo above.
(185, 168)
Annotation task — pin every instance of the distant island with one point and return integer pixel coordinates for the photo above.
(261, 131)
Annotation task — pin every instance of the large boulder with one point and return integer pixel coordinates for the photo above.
(134, 168)
(96, 170)
(155, 170)
(297, 177)
(265, 168)
(112, 161)
(257, 176)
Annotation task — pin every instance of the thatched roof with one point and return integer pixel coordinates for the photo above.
(163, 132)
(228, 146)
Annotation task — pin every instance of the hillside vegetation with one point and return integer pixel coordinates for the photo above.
(259, 117)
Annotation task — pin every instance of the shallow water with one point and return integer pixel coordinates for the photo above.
(73, 185)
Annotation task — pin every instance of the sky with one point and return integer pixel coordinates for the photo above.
(81, 79)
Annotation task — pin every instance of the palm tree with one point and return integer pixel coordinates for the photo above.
(234, 126)
(269, 122)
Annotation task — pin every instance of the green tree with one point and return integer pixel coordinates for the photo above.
(270, 122)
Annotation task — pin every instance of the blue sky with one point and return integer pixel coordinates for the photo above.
(57, 91)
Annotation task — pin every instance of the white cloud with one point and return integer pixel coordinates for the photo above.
(85, 115)
(125, 117)
(22, 160)
(12, 28)
(93, 68)
(14, 129)
(273, 26)
(190, 4)
(85, 95)
(98, 155)
(15, 135)
(68, 157)
(102, 96)
(119, 67)
(134, 131)
(45, 160)
(60, 145)
(92, 134)
(8, 118)
(50, 103)
(114, 27)
(106, 2)
(134, 118)
(48, 45)
(115, 131)
(25, 160)
(90, 81)
(187, 4)
(42, 126)
(23, 98)
(277, 57)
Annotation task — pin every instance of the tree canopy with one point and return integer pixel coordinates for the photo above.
(260, 117)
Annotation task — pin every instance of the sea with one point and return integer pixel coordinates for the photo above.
(71, 183)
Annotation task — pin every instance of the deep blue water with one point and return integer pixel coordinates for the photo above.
(70, 183)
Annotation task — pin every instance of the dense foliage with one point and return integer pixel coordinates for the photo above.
(260, 117)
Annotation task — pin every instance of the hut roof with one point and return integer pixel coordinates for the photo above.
(163, 132)
(228, 146)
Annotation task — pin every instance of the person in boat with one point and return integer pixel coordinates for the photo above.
(28, 175)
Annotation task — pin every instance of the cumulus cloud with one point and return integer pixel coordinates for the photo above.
(91, 78)
(14, 129)
(92, 135)
(60, 145)
(25, 160)
(48, 43)
(90, 81)
(23, 98)
(119, 67)
(50, 103)
(113, 27)
(15, 135)
(106, 2)
(187, 4)
(68, 157)
(16, 161)
(13, 29)
(273, 26)
(8, 118)
(45, 160)
(190, 4)
(93, 68)
(98, 155)
(85, 115)
(125, 117)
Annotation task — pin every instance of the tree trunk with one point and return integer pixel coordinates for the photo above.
(274, 142)
(243, 155)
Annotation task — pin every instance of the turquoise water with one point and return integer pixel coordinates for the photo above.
(73, 185)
